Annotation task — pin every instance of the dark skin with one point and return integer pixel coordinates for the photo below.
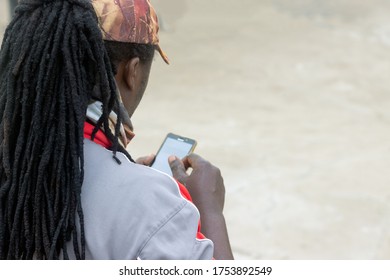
(205, 183)
(132, 79)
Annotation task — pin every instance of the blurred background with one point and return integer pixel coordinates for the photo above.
(291, 100)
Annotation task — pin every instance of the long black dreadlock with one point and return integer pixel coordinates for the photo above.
(51, 58)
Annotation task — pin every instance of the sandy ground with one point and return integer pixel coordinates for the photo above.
(291, 100)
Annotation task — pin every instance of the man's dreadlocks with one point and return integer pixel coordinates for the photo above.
(51, 60)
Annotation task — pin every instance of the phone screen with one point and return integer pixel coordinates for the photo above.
(172, 145)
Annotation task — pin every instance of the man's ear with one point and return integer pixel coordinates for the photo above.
(131, 72)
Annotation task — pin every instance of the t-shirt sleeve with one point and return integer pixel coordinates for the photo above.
(177, 238)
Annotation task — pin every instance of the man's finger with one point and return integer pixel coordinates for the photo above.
(147, 160)
(177, 167)
(192, 160)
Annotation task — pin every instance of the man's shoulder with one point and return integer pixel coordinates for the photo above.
(134, 199)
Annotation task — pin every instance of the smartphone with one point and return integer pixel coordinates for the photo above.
(173, 145)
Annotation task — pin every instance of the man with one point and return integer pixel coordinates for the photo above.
(69, 189)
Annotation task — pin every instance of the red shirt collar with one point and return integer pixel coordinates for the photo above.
(100, 137)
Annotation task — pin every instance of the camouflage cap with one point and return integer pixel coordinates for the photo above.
(128, 21)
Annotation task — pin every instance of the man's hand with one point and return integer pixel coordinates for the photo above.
(207, 190)
(205, 182)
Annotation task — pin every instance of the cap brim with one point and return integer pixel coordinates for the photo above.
(162, 53)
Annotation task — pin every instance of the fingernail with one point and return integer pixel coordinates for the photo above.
(171, 158)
